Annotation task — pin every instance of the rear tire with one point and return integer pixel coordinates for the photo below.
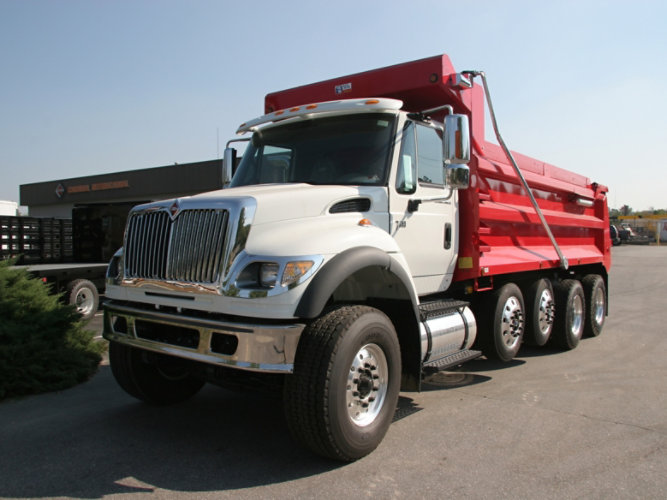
(595, 293)
(570, 314)
(342, 396)
(540, 310)
(503, 323)
(152, 378)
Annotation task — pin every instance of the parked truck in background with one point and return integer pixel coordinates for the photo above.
(370, 236)
(69, 255)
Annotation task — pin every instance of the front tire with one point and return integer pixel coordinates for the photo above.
(153, 378)
(341, 398)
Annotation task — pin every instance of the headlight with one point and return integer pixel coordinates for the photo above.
(259, 275)
(268, 275)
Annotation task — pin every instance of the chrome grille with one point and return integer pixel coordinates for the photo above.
(188, 249)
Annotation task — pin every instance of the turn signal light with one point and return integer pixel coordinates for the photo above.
(295, 270)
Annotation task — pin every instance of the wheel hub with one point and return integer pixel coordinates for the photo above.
(366, 385)
(84, 302)
(547, 311)
(577, 316)
(512, 321)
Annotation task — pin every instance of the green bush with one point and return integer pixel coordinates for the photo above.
(43, 345)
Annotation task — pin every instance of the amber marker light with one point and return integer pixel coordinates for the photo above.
(295, 270)
(372, 101)
(365, 223)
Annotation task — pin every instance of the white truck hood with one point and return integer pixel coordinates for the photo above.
(283, 202)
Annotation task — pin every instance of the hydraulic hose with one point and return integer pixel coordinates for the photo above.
(563, 260)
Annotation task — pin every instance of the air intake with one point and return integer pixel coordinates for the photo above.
(353, 205)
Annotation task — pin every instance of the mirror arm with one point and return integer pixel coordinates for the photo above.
(413, 204)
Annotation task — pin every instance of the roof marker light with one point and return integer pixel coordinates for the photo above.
(332, 107)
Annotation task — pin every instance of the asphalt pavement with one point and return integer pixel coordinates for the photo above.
(588, 423)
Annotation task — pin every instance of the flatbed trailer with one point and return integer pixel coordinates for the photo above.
(44, 246)
(80, 283)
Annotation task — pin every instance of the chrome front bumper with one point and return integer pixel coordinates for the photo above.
(246, 346)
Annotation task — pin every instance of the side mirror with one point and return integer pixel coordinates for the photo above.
(228, 166)
(456, 141)
(458, 176)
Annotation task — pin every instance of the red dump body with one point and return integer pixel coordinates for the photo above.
(500, 231)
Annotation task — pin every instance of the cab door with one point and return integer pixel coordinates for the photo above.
(425, 229)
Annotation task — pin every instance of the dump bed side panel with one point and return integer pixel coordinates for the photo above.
(501, 232)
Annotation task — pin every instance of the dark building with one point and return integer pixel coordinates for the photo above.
(98, 204)
(58, 197)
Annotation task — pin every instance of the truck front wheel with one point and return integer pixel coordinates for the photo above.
(152, 378)
(341, 398)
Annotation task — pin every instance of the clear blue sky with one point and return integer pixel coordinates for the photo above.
(91, 86)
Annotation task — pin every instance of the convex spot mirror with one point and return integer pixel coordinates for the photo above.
(458, 176)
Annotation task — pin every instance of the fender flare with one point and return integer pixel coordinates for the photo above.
(338, 269)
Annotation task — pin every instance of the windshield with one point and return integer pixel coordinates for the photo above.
(351, 149)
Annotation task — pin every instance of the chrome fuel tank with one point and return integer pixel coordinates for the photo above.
(446, 329)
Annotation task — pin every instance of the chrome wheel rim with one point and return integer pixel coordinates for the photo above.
(367, 383)
(546, 312)
(512, 322)
(577, 316)
(598, 306)
(84, 301)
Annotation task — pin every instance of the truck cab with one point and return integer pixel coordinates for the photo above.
(394, 165)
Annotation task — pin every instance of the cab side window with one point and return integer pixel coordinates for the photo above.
(420, 159)
(406, 177)
(429, 156)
